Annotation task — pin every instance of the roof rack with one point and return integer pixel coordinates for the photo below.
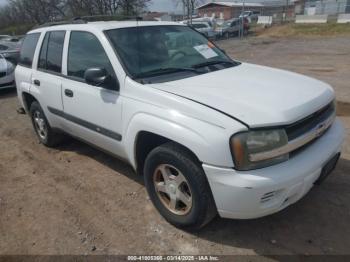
(96, 18)
(92, 18)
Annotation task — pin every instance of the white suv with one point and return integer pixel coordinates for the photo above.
(209, 134)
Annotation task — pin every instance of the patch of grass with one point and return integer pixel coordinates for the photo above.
(329, 29)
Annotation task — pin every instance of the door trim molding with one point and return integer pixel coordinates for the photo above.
(86, 124)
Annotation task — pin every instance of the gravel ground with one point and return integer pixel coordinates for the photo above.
(327, 59)
(78, 200)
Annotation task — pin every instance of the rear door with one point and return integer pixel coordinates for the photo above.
(47, 78)
(23, 73)
(92, 113)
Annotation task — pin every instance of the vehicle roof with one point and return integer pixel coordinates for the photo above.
(103, 25)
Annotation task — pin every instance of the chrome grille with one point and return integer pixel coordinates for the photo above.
(2, 74)
(305, 125)
(301, 133)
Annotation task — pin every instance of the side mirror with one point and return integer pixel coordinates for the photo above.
(100, 77)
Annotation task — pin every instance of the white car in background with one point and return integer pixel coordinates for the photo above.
(204, 28)
(252, 16)
(7, 78)
(204, 25)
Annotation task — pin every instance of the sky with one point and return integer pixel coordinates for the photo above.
(164, 6)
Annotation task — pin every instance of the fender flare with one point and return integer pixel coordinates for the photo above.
(183, 135)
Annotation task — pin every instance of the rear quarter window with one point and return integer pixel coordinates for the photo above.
(28, 49)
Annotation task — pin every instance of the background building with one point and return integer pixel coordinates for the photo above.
(227, 10)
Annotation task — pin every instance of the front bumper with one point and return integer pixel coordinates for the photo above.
(257, 193)
(7, 81)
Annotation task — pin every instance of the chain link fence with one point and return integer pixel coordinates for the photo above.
(255, 17)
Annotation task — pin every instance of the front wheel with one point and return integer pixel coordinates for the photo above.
(178, 187)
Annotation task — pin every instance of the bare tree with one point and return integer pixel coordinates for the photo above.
(29, 12)
(133, 7)
(189, 7)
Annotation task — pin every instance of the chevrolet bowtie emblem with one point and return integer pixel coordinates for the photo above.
(320, 129)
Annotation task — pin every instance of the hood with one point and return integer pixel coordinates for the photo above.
(256, 95)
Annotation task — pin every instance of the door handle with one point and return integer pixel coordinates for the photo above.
(68, 93)
(36, 82)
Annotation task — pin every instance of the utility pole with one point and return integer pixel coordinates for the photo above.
(190, 10)
(184, 10)
(242, 19)
(285, 12)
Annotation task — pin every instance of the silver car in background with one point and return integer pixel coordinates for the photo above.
(229, 28)
(7, 77)
(4, 37)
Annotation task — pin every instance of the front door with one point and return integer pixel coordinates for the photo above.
(92, 113)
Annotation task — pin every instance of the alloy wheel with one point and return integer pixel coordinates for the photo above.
(172, 189)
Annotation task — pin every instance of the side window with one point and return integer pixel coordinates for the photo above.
(28, 49)
(43, 52)
(85, 51)
(51, 51)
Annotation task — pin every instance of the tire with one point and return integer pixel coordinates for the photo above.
(44, 132)
(177, 160)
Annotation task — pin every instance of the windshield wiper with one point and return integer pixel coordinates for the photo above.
(167, 70)
(209, 63)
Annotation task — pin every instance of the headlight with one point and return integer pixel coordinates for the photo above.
(10, 68)
(248, 147)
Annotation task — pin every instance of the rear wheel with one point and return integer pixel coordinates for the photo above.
(42, 128)
(178, 187)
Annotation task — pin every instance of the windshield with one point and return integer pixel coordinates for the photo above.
(148, 50)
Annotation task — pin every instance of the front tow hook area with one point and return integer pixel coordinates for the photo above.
(327, 169)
